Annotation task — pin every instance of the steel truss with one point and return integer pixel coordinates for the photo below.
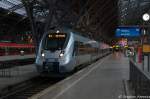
(96, 18)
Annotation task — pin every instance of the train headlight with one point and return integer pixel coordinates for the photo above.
(43, 54)
(61, 54)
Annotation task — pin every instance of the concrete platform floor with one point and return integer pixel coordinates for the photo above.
(101, 80)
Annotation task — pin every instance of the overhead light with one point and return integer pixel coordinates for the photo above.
(146, 17)
(9, 12)
(57, 31)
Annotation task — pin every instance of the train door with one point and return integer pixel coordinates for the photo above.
(75, 53)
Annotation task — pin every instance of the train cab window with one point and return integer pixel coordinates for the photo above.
(55, 41)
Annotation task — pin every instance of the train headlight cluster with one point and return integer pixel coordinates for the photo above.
(61, 54)
(43, 54)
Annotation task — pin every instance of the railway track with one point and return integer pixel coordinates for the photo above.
(28, 88)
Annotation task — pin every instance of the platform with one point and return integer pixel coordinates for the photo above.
(101, 80)
(15, 57)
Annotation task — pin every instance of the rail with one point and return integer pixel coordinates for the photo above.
(140, 81)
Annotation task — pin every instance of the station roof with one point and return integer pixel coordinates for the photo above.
(13, 6)
(84, 15)
(13, 16)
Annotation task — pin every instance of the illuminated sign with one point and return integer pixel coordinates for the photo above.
(123, 42)
(57, 35)
(146, 48)
(128, 32)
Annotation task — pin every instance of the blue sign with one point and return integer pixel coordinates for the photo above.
(128, 32)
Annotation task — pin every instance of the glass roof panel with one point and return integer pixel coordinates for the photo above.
(5, 6)
(9, 4)
(20, 11)
(16, 2)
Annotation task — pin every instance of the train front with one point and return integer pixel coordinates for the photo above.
(52, 55)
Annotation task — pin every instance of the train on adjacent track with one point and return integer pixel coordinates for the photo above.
(61, 51)
(10, 48)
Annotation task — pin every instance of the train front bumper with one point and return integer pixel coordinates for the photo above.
(51, 67)
(54, 67)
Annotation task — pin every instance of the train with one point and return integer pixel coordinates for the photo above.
(61, 51)
(9, 48)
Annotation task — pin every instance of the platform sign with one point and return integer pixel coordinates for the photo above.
(127, 32)
(146, 48)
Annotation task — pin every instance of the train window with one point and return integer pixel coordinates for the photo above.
(83, 48)
(54, 42)
(78, 48)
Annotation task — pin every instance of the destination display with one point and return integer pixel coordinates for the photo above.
(60, 35)
(127, 32)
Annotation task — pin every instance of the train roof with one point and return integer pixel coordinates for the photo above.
(77, 35)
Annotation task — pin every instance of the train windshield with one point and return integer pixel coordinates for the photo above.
(55, 41)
